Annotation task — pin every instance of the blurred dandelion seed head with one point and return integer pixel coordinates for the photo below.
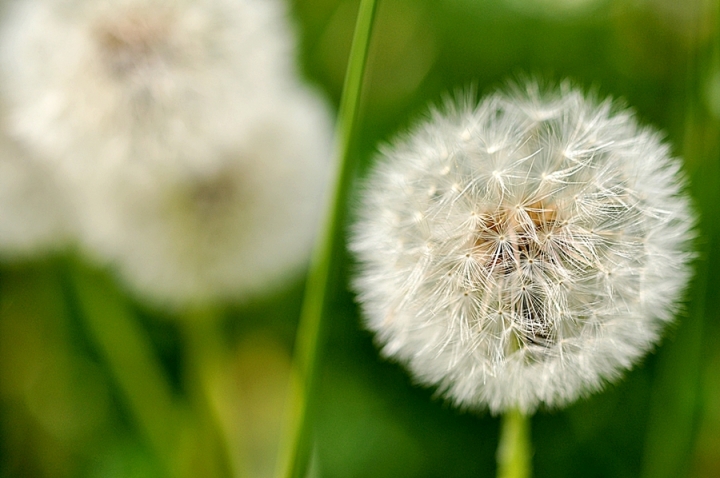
(525, 250)
(193, 155)
(141, 84)
(227, 234)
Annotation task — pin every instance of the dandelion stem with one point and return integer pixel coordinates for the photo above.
(513, 454)
(128, 352)
(204, 349)
(298, 441)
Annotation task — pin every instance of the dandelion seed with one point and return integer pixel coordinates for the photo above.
(573, 259)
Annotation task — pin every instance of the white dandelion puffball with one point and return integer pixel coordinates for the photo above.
(523, 251)
(99, 85)
(225, 235)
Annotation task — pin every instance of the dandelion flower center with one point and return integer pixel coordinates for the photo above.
(510, 242)
(133, 40)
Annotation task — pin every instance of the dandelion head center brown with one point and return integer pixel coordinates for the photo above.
(133, 40)
(511, 241)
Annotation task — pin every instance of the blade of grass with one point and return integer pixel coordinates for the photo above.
(294, 457)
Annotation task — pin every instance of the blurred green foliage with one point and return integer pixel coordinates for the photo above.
(63, 415)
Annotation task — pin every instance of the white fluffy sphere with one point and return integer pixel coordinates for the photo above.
(522, 251)
(228, 234)
(101, 85)
(193, 156)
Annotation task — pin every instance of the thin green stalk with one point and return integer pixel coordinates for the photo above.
(203, 355)
(136, 371)
(513, 454)
(295, 454)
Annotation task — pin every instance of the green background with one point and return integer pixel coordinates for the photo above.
(63, 415)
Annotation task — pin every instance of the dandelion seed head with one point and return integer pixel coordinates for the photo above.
(102, 85)
(193, 156)
(552, 250)
(223, 236)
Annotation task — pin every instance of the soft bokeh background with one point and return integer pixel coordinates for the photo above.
(62, 415)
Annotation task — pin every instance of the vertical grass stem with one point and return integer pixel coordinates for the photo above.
(298, 442)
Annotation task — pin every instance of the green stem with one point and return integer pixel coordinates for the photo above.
(204, 355)
(513, 454)
(128, 353)
(294, 460)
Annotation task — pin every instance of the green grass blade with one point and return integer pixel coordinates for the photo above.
(294, 462)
